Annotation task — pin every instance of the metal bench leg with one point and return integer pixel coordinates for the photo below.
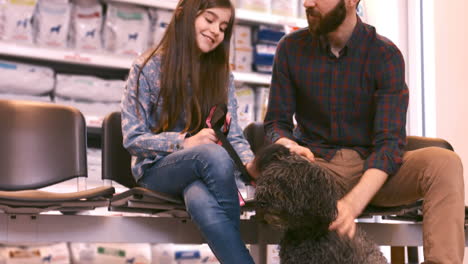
(397, 255)
(413, 255)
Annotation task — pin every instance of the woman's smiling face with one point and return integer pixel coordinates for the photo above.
(210, 26)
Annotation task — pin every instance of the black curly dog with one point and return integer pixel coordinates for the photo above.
(299, 197)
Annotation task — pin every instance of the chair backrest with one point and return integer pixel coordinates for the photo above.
(116, 161)
(255, 135)
(40, 144)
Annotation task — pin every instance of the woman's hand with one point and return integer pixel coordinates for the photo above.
(252, 170)
(205, 136)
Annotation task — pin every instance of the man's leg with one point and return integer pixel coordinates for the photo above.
(436, 175)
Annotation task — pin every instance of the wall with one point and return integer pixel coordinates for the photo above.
(451, 57)
(451, 77)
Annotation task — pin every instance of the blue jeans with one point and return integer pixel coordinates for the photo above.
(204, 176)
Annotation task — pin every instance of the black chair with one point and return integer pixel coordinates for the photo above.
(255, 134)
(116, 167)
(43, 144)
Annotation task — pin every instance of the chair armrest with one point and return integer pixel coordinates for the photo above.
(416, 142)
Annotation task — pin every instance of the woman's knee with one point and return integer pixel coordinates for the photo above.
(213, 156)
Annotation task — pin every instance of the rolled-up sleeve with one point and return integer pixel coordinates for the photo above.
(391, 103)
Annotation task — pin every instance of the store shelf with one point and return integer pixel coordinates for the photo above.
(263, 18)
(107, 61)
(65, 56)
(168, 4)
(252, 77)
(241, 14)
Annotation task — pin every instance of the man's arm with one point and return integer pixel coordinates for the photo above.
(389, 140)
(278, 121)
(354, 203)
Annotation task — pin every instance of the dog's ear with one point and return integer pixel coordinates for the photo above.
(269, 154)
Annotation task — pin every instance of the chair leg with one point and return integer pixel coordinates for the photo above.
(413, 255)
(397, 255)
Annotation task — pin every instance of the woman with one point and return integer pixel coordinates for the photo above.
(169, 93)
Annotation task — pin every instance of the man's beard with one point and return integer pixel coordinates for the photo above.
(327, 23)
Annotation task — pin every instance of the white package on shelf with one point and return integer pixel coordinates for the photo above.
(255, 5)
(53, 254)
(17, 25)
(90, 88)
(182, 254)
(126, 29)
(110, 253)
(2, 17)
(246, 101)
(243, 59)
(285, 7)
(160, 22)
(273, 254)
(261, 103)
(94, 112)
(86, 27)
(242, 36)
(19, 78)
(94, 159)
(22, 97)
(52, 23)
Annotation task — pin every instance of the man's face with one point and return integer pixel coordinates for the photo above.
(321, 23)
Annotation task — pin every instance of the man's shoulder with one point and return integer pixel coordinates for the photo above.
(297, 35)
(380, 43)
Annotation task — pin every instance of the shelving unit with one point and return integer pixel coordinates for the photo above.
(99, 60)
(115, 62)
(241, 14)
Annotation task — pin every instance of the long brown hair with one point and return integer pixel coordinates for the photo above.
(182, 64)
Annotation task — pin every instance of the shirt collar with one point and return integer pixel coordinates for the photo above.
(356, 37)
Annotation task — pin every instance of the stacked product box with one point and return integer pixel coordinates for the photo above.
(266, 39)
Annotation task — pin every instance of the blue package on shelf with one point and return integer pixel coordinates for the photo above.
(264, 55)
(187, 254)
(268, 34)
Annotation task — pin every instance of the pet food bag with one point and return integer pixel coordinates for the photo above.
(284, 7)
(89, 88)
(86, 27)
(246, 100)
(115, 253)
(17, 26)
(160, 21)
(52, 22)
(19, 78)
(53, 254)
(255, 5)
(182, 254)
(126, 29)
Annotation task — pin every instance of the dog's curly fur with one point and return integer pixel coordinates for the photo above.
(299, 197)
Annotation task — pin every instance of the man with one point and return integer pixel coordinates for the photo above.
(345, 85)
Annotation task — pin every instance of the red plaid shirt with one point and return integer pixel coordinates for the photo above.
(357, 101)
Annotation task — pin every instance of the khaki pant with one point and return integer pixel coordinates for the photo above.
(434, 174)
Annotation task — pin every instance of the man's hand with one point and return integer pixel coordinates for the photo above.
(344, 223)
(353, 203)
(205, 136)
(296, 148)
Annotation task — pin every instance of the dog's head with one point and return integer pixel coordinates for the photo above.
(294, 193)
